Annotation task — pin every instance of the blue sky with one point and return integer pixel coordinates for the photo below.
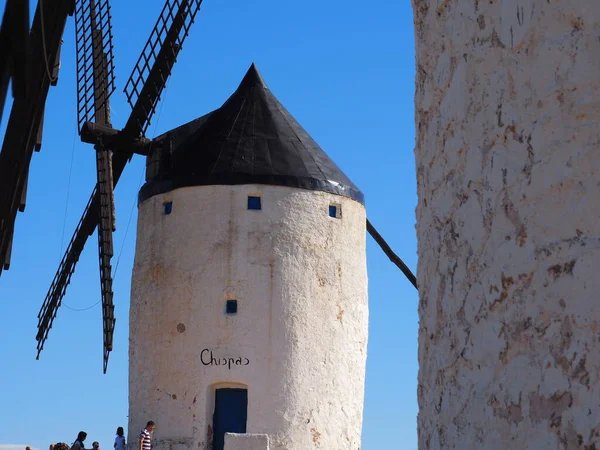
(345, 70)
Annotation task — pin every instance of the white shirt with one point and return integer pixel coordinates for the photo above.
(120, 443)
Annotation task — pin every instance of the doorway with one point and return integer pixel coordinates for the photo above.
(231, 414)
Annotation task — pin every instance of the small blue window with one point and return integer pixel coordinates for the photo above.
(333, 211)
(231, 307)
(254, 202)
(168, 207)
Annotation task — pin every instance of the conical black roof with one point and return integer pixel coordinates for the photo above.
(251, 139)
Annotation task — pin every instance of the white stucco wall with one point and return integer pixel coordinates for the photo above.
(300, 280)
(234, 441)
(508, 223)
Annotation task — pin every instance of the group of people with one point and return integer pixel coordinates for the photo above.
(82, 435)
(144, 438)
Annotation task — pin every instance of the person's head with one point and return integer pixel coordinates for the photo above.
(28, 448)
(150, 426)
(120, 431)
(95, 445)
(81, 436)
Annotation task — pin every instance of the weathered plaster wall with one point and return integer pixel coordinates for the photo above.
(300, 280)
(234, 441)
(508, 222)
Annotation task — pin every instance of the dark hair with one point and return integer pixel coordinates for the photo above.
(120, 431)
(81, 436)
(149, 424)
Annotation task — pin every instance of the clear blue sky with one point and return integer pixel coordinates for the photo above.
(345, 70)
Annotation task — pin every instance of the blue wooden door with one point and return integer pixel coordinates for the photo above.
(231, 413)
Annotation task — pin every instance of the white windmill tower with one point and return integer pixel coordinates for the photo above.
(249, 295)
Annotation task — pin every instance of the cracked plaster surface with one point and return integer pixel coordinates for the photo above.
(508, 223)
(300, 333)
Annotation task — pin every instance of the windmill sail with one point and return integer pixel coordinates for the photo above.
(35, 71)
(95, 84)
(143, 92)
(94, 48)
(61, 280)
(14, 33)
(149, 77)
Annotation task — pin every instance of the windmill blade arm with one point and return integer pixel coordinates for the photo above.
(95, 62)
(105, 246)
(57, 290)
(85, 228)
(14, 34)
(20, 137)
(150, 75)
(6, 263)
(390, 254)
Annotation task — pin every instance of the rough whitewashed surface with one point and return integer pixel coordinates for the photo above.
(508, 222)
(235, 441)
(301, 283)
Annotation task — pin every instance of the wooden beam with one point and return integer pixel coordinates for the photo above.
(390, 254)
(14, 41)
(26, 114)
(106, 136)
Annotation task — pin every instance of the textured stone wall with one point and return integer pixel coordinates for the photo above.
(508, 222)
(298, 342)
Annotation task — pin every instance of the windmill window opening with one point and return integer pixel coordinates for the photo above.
(335, 211)
(254, 202)
(231, 307)
(167, 208)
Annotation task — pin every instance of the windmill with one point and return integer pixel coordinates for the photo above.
(114, 148)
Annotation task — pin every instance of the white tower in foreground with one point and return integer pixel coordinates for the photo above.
(508, 167)
(249, 295)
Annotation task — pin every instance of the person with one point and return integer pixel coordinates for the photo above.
(120, 439)
(78, 444)
(95, 445)
(145, 436)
